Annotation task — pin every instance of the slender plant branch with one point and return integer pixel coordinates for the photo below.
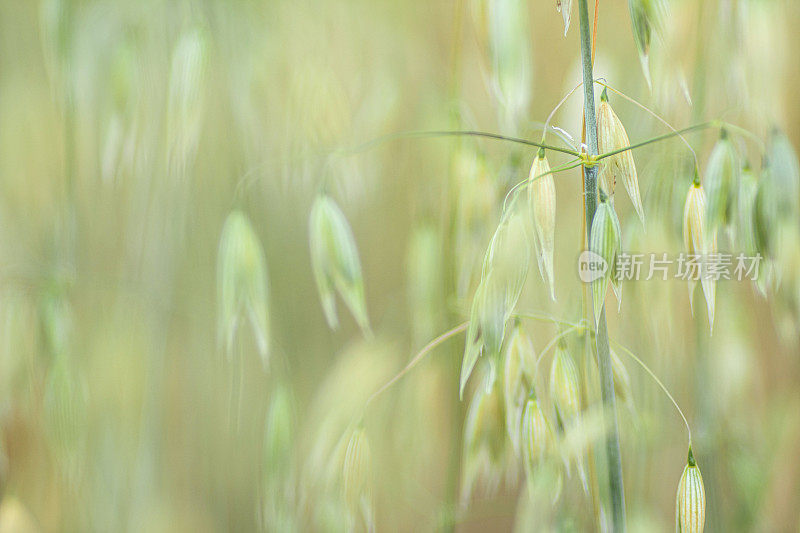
(745, 133)
(553, 112)
(456, 133)
(554, 340)
(614, 460)
(515, 189)
(660, 384)
(701, 126)
(417, 358)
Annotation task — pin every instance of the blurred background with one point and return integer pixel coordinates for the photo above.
(130, 131)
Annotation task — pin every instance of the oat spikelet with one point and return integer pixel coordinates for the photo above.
(518, 373)
(536, 435)
(611, 135)
(605, 241)
(698, 240)
(690, 502)
(334, 258)
(721, 183)
(542, 199)
(565, 386)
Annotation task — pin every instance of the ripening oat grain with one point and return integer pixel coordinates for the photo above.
(242, 287)
(745, 221)
(542, 200)
(646, 20)
(611, 135)
(518, 373)
(606, 242)
(505, 268)
(334, 258)
(484, 442)
(721, 183)
(565, 386)
(536, 434)
(690, 502)
(700, 242)
(278, 430)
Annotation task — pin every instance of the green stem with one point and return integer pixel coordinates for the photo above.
(603, 351)
(458, 133)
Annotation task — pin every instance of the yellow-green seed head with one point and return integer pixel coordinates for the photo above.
(721, 183)
(542, 200)
(565, 386)
(605, 241)
(536, 435)
(334, 258)
(242, 284)
(611, 136)
(690, 505)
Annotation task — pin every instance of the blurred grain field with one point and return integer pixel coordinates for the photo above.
(162, 369)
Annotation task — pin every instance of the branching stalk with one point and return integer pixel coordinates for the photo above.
(614, 460)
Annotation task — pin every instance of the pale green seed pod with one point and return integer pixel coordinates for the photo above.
(242, 287)
(646, 21)
(605, 241)
(611, 136)
(721, 183)
(690, 502)
(565, 386)
(509, 46)
(483, 455)
(622, 380)
(185, 101)
(518, 371)
(699, 240)
(565, 8)
(334, 259)
(537, 435)
(279, 430)
(356, 469)
(785, 173)
(505, 268)
(745, 223)
(542, 200)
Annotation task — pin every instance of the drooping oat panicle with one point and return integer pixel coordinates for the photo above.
(537, 435)
(565, 386)
(611, 135)
(334, 258)
(646, 16)
(700, 241)
(721, 183)
(605, 241)
(565, 8)
(518, 368)
(690, 502)
(505, 268)
(542, 199)
(242, 284)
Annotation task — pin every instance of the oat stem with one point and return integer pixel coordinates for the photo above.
(417, 358)
(660, 384)
(603, 351)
